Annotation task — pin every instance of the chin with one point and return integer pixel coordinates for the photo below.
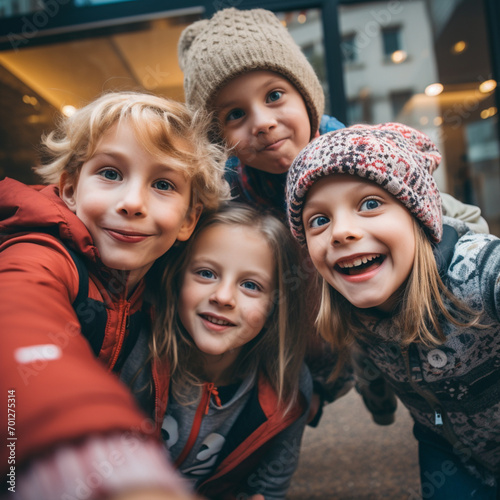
(367, 304)
(210, 350)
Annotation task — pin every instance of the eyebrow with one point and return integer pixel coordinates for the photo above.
(227, 105)
(177, 167)
(272, 80)
(252, 274)
(312, 205)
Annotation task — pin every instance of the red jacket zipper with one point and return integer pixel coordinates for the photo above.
(204, 405)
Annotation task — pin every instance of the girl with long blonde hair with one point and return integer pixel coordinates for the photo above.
(230, 323)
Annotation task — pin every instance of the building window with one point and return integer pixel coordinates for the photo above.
(391, 38)
(354, 112)
(359, 110)
(399, 100)
(348, 48)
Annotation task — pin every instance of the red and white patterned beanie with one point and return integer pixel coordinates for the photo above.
(397, 157)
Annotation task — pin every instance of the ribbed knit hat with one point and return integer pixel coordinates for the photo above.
(398, 158)
(212, 52)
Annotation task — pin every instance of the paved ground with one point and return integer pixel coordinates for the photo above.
(348, 457)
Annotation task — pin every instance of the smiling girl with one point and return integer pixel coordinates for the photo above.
(235, 342)
(365, 204)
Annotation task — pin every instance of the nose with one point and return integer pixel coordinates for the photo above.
(223, 295)
(344, 231)
(133, 201)
(264, 120)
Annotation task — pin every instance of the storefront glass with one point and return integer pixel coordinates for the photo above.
(306, 28)
(427, 64)
(38, 83)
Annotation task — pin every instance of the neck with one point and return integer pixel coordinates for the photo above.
(219, 369)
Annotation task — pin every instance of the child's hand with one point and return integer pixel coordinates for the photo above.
(257, 497)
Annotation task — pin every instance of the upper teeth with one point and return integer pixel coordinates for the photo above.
(217, 321)
(358, 261)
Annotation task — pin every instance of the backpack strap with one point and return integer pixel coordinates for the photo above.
(83, 277)
(93, 316)
(91, 313)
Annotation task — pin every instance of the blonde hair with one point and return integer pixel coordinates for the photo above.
(164, 128)
(420, 311)
(277, 351)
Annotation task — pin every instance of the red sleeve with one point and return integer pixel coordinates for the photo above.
(57, 390)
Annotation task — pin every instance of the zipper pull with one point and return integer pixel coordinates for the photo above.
(212, 391)
(438, 419)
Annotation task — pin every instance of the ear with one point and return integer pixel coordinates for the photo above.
(190, 222)
(67, 191)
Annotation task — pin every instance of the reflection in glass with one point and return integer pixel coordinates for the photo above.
(10, 8)
(391, 38)
(443, 86)
(84, 3)
(306, 29)
(38, 83)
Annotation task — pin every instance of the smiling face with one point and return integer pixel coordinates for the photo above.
(264, 117)
(134, 205)
(360, 238)
(226, 290)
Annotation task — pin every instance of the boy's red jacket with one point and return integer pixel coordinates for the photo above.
(58, 391)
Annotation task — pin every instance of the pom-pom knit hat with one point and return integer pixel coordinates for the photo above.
(398, 158)
(233, 42)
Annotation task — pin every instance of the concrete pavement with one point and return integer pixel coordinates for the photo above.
(348, 457)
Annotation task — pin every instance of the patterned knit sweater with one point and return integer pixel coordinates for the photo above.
(453, 389)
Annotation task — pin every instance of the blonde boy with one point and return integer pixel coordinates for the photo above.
(132, 173)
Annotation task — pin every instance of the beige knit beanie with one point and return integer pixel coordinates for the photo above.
(214, 51)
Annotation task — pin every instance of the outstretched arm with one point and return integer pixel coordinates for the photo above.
(76, 427)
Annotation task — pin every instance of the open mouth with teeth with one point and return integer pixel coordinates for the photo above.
(216, 321)
(360, 264)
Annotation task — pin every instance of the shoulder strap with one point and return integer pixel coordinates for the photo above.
(93, 316)
(83, 278)
(91, 313)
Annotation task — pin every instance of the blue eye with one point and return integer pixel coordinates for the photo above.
(110, 174)
(163, 185)
(206, 273)
(275, 95)
(235, 114)
(319, 221)
(250, 285)
(370, 204)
